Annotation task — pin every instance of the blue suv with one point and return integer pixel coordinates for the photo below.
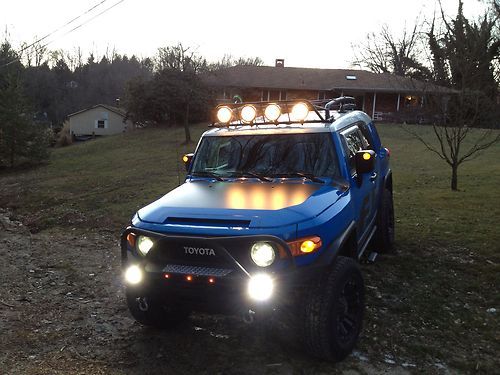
(281, 201)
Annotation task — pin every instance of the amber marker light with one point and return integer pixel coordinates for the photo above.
(224, 114)
(305, 245)
(272, 112)
(366, 156)
(131, 239)
(211, 280)
(248, 113)
(185, 159)
(189, 278)
(299, 112)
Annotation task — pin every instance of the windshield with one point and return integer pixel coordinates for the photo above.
(278, 155)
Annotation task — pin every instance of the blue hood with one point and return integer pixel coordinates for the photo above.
(242, 203)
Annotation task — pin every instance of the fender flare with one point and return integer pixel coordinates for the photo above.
(329, 255)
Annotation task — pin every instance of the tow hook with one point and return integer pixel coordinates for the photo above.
(249, 317)
(143, 303)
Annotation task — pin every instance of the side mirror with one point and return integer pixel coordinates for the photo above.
(186, 159)
(365, 161)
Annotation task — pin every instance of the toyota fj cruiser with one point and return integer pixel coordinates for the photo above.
(280, 202)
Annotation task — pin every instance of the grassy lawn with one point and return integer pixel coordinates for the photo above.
(427, 303)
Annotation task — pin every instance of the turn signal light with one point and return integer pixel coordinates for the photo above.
(131, 239)
(305, 245)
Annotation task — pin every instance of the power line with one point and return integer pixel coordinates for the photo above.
(68, 32)
(62, 27)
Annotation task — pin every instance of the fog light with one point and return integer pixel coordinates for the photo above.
(133, 275)
(260, 287)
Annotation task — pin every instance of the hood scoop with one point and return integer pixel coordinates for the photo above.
(202, 222)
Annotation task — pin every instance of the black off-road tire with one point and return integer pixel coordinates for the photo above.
(333, 311)
(158, 314)
(384, 236)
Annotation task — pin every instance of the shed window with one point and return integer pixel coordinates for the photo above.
(101, 124)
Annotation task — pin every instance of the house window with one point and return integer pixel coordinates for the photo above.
(101, 124)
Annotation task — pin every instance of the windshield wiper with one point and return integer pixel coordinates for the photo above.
(207, 174)
(308, 176)
(251, 174)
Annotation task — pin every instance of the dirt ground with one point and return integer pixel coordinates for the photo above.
(62, 311)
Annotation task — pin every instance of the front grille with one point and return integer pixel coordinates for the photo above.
(195, 270)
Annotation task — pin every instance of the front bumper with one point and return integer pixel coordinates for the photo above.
(217, 283)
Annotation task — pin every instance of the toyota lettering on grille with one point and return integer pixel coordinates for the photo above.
(198, 250)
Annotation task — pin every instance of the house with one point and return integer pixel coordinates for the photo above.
(379, 95)
(100, 119)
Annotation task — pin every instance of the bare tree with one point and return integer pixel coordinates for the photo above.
(382, 52)
(228, 60)
(462, 57)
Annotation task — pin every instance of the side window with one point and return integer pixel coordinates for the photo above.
(353, 141)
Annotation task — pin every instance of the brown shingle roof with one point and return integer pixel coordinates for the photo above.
(316, 79)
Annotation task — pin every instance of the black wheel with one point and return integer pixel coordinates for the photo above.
(333, 311)
(384, 237)
(154, 312)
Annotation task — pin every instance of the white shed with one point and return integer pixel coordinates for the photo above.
(101, 119)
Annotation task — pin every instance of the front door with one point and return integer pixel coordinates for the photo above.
(363, 188)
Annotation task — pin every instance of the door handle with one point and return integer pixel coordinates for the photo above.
(373, 176)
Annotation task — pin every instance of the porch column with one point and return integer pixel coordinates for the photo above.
(374, 104)
(399, 99)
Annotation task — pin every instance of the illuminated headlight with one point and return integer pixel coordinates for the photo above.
(272, 112)
(248, 113)
(144, 244)
(260, 287)
(299, 112)
(224, 114)
(133, 275)
(262, 254)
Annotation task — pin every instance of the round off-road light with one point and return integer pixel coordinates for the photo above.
(366, 156)
(133, 275)
(144, 244)
(224, 114)
(299, 112)
(260, 287)
(262, 254)
(248, 113)
(272, 112)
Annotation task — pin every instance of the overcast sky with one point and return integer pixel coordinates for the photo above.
(312, 33)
